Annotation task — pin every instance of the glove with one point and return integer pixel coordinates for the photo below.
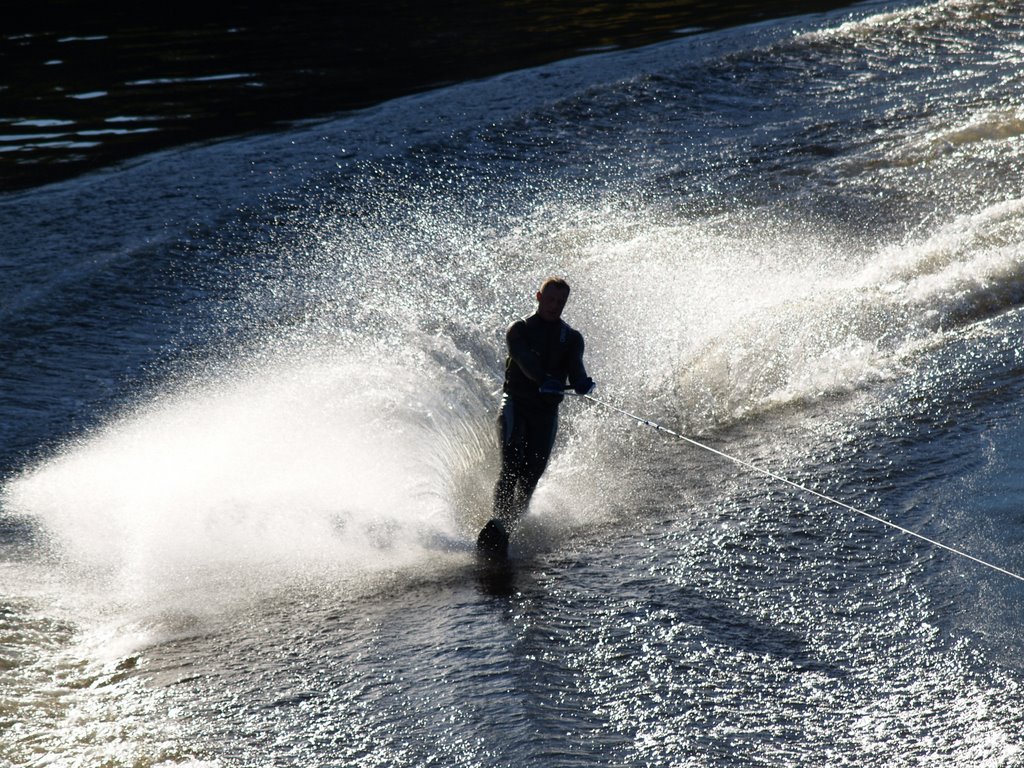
(584, 386)
(552, 386)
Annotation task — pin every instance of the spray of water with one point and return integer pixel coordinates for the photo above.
(360, 439)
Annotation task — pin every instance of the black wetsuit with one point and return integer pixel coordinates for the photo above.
(538, 351)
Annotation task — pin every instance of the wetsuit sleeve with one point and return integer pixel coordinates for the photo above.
(519, 350)
(577, 372)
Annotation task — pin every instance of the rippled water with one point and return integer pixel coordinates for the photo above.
(248, 400)
(85, 86)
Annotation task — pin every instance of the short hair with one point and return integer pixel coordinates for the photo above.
(558, 282)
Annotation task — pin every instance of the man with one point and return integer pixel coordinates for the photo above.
(543, 354)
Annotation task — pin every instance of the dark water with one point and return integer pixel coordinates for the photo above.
(247, 404)
(84, 86)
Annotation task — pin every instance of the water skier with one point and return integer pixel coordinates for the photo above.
(543, 354)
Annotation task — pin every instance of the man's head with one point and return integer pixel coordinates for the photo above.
(551, 298)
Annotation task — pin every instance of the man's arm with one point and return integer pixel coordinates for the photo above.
(578, 378)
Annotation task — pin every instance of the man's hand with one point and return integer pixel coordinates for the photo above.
(552, 386)
(584, 386)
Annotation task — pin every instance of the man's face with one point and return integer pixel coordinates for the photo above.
(551, 302)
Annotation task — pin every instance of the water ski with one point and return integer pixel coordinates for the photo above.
(492, 543)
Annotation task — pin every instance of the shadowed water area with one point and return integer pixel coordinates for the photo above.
(83, 85)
